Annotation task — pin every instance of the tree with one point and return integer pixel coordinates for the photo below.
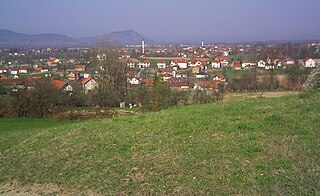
(273, 55)
(111, 78)
(38, 102)
(159, 96)
(220, 92)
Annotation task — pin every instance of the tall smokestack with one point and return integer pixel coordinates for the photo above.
(142, 46)
(202, 43)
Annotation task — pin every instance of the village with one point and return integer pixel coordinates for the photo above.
(182, 67)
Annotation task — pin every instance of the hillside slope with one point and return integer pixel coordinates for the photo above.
(257, 146)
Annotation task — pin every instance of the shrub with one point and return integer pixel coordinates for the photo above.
(313, 81)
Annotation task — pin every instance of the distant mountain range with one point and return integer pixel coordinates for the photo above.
(10, 39)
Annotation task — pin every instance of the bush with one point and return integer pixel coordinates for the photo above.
(199, 97)
(313, 81)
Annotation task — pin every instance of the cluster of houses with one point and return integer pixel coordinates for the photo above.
(224, 61)
(86, 85)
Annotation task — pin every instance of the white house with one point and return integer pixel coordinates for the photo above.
(181, 63)
(288, 61)
(133, 81)
(219, 77)
(14, 71)
(247, 64)
(89, 84)
(262, 64)
(161, 65)
(3, 71)
(216, 64)
(224, 63)
(202, 75)
(23, 70)
(308, 62)
(144, 64)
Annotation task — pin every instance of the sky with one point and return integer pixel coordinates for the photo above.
(167, 20)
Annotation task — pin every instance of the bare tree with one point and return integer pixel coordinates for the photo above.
(111, 77)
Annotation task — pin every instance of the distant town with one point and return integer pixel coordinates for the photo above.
(184, 67)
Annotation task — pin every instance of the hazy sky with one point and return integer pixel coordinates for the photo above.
(167, 20)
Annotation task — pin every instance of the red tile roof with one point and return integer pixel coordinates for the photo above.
(58, 84)
(86, 80)
(148, 81)
(2, 76)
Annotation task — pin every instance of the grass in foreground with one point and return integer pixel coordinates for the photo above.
(255, 146)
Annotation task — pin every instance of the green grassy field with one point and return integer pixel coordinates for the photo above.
(258, 146)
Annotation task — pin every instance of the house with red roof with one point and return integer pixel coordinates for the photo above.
(74, 75)
(148, 82)
(309, 62)
(89, 84)
(248, 64)
(216, 64)
(133, 77)
(181, 63)
(62, 85)
(219, 77)
(288, 61)
(79, 68)
(178, 83)
(261, 64)
(2, 76)
(206, 85)
(237, 65)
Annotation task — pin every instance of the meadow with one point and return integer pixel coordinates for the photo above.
(256, 146)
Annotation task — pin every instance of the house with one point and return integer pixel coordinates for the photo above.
(237, 65)
(309, 62)
(23, 70)
(133, 78)
(3, 70)
(144, 64)
(148, 82)
(62, 85)
(14, 71)
(43, 70)
(196, 69)
(89, 84)
(161, 65)
(166, 73)
(261, 64)
(132, 63)
(202, 75)
(219, 77)
(224, 61)
(79, 68)
(248, 64)
(74, 75)
(14, 84)
(178, 83)
(206, 85)
(216, 64)
(86, 75)
(181, 63)
(288, 61)
(2, 76)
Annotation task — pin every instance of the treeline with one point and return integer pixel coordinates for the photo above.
(43, 100)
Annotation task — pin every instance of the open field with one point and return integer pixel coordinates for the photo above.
(244, 96)
(262, 146)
